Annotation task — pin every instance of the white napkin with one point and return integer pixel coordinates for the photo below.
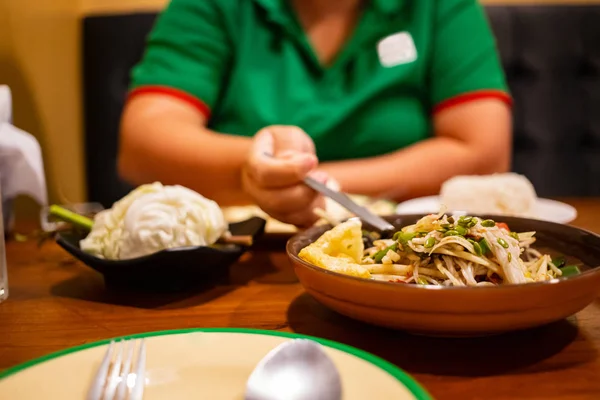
(21, 164)
(5, 104)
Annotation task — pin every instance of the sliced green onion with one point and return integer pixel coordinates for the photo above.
(476, 247)
(502, 243)
(559, 262)
(464, 220)
(488, 223)
(381, 253)
(462, 231)
(403, 237)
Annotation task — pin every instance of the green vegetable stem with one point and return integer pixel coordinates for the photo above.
(485, 247)
(570, 270)
(69, 216)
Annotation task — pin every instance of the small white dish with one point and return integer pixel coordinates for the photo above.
(546, 209)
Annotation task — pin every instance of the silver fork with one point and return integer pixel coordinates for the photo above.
(112, 380)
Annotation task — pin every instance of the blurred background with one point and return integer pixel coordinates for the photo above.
(41, 60)
(67, 64)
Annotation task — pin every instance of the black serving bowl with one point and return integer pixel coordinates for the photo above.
(170, 269)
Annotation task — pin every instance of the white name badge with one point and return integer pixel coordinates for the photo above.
(397, 49)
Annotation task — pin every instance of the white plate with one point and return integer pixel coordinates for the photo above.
(202, 364)
(546, 209)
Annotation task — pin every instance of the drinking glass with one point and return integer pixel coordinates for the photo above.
(3, 274)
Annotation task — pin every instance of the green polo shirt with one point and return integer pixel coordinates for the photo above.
(248, 64)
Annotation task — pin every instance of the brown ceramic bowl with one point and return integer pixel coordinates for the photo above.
(461, 311)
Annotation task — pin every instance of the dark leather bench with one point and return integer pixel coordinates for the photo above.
(551, 55)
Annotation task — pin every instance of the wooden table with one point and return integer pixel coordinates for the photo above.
(55, 303)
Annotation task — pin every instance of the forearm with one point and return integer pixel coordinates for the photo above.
(418, 170)
(472, 138)
(175, 148)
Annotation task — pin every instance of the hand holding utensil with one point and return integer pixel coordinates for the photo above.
(346, 202)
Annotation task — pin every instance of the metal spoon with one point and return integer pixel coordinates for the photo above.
(342, 199)
(295, 370)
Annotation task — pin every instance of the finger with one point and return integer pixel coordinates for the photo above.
(271, 172)
(263, 143)
(281, 201)
(304, 218)
(321, 176)
(324, 177)
(291, 138)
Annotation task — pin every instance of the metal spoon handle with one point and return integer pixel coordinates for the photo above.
(346, 202)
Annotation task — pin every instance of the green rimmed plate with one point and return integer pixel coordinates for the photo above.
(202, 363)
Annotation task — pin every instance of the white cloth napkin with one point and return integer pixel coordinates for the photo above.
(21, 163)
(5, 104)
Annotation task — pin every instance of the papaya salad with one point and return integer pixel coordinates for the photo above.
(437, 250)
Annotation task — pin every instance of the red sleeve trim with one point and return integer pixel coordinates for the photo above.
(472, 96)
(169, 91)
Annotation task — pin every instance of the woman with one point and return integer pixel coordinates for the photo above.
(240, 99)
